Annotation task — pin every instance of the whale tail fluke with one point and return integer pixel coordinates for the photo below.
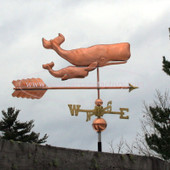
(57, 41)
(92, 66)
(48, 66)
(46, 43)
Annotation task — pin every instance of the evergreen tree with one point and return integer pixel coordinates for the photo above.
(159, 120)
(158, 139)
(13, 129)
(166, 66)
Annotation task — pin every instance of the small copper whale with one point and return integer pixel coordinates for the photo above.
(70, 71)
(104, 54)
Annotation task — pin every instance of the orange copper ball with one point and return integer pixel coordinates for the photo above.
(99, 102)
(99, 124)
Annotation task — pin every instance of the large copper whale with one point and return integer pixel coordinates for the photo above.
(104, 54)
(70, 71)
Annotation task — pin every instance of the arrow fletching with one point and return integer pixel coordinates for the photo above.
(29, 88)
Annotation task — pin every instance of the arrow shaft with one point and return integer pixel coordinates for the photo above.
(73, 88)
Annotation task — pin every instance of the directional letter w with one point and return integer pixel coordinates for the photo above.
(74, 109)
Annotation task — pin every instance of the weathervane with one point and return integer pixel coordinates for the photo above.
(98, 110)
(84, 61)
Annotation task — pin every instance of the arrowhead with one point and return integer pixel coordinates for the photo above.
(131, 87)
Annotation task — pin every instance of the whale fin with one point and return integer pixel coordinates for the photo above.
(91, 67)
(65, 77)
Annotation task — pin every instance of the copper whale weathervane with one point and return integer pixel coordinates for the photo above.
(83, 61)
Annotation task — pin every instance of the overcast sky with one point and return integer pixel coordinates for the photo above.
(144, 24)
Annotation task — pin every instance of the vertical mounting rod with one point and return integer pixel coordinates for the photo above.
(99, 142)
(98, 84)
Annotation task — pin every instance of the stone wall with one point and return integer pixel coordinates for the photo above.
(25, 156)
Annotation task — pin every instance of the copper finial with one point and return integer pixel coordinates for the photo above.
(99, 124)
(99, 102)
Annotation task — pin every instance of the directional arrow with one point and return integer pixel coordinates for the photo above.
(35, 88)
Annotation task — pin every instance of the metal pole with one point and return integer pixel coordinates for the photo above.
(98, 84)
(99, 142)
(98, 96)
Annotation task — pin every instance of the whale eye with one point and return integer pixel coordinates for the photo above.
(102, 59)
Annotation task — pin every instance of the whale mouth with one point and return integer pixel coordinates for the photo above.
(116, 62)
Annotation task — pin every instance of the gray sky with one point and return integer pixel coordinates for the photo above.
(144, 24)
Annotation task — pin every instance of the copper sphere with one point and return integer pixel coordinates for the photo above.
(99, 102)
(99, 124)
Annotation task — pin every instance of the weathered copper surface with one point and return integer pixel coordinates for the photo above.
(104, 54)
(99, 124)
(71, 71)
